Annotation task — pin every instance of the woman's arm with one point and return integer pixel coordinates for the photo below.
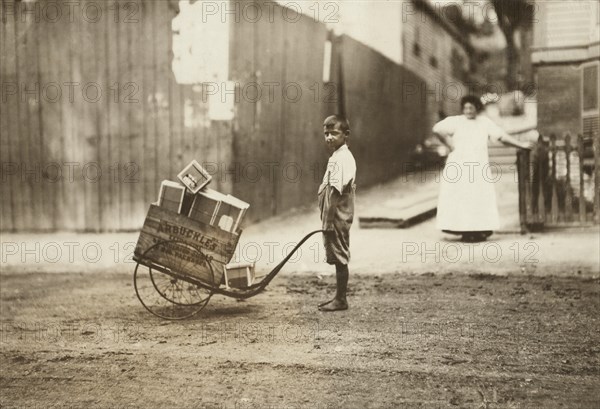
(510, 141)
(444, 130)
(445, 139)
(497, 133)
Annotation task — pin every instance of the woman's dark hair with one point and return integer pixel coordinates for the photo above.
(471, 99)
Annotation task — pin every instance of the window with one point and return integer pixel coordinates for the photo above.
(417, 40)
(590, 88)
(433, 61)
(327, 62)
(416, 49)
(457, 63)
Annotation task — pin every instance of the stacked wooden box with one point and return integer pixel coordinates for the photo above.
(204, 206)
(195, 200)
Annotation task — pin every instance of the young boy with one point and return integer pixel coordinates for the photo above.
(336, 202)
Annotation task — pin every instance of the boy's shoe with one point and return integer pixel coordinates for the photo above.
(326, 302)
(334, 305)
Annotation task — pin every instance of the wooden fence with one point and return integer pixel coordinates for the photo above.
(278, 149)
(559, 183)
(387, 109)
(92, 118)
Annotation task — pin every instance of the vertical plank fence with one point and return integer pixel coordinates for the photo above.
(559, 183)
(92, 118)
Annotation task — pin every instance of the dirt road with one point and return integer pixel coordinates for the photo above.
(431, 341)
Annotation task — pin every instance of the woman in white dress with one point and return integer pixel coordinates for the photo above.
(467, 200)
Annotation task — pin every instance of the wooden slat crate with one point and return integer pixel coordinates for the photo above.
(164, 225)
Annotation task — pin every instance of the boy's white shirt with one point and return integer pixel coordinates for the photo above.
(341, 169)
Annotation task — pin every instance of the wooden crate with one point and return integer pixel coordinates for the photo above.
(217, 209)
(194, 177)
(239, 275)
(162, 224)
(171, 195)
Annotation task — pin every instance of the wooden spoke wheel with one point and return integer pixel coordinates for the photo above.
(173, 280)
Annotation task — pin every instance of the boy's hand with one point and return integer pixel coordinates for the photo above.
(334, 197)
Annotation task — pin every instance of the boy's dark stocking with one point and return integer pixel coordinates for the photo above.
(339, 302)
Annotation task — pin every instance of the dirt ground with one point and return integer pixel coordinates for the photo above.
(430, 340)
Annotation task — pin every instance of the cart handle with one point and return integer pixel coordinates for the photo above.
(257, 288)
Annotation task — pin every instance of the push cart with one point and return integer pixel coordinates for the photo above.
(180, 264)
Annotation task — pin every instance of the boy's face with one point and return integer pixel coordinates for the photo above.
(334, 136)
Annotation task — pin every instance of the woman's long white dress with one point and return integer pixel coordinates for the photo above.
(467, 199)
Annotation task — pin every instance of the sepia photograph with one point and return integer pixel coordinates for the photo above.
(304, 204)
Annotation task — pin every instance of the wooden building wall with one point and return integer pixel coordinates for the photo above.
(95, 162)
(565, 51)
(559, 99)
(564, 23)
(440, 59)
(387, 111)
(278, 146)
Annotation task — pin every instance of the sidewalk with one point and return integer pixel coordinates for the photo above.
(415, 250)
(422, 248)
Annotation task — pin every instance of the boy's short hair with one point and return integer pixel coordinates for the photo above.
(338, 119)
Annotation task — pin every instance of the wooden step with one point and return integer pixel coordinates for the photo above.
(401, 217)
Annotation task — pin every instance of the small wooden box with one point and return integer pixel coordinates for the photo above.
(171, 196)
(218, 209)
(205, 205)
(236, 209)
(188, 199)
(194, 177)
(239, 275)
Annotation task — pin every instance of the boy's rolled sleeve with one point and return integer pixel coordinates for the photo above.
(342, 172)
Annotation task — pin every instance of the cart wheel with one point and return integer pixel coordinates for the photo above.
(168, 292)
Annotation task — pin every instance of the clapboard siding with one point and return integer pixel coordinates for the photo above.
(444, 87)
(563, 24)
